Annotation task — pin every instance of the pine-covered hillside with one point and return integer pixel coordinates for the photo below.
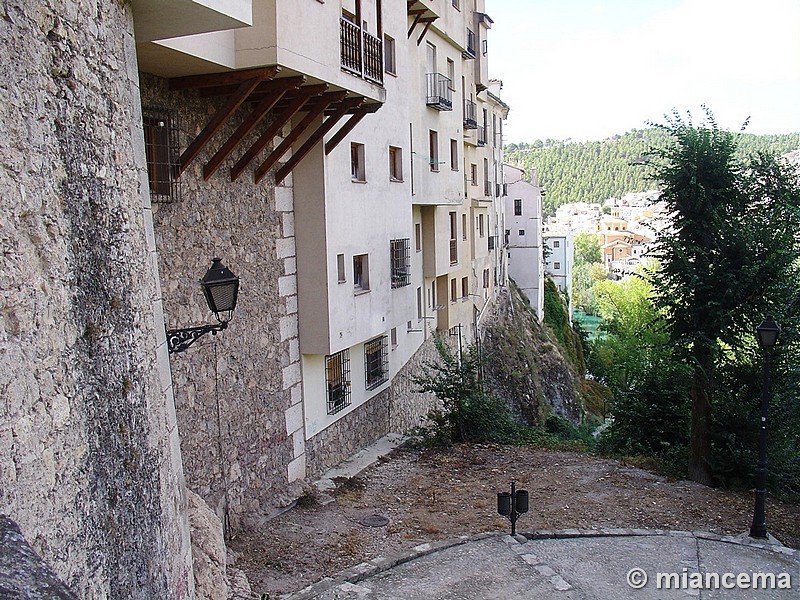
(594, 171)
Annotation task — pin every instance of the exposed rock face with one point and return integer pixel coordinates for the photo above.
(525, 366)
(208, 550)
(89, 458)
(23, 574)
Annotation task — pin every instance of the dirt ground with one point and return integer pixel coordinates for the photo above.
(435, 494)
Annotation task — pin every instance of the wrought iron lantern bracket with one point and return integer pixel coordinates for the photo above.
(179, 340)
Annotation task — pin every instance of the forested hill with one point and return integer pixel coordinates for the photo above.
(594, 171)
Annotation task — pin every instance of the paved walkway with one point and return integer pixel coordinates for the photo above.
(571, 565)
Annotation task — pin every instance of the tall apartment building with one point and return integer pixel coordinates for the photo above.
(523, 209)
(363, 217)
(559, 262)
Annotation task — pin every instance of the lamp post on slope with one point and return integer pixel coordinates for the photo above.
(767, 336)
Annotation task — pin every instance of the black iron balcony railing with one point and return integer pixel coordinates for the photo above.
(453, 252)
(470, 51)
(439, 95)
(470, 114)
(487, 188)
(362, 52)
(481, 135)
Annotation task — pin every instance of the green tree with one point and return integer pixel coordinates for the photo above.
(587, 249)
(733, 241)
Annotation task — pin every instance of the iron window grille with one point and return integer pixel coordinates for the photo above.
(401, 262)
(337, 378)
(376, 362)
(162, 149)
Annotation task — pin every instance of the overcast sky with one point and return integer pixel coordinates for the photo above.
(588, 69)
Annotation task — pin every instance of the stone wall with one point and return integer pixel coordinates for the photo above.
(397, 409)
(236, 392)
(89, 462)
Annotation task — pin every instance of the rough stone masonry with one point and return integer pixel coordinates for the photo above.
(89, 459)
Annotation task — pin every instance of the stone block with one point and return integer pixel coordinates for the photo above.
(294, 418)
(285, 247)
(288, 327)
(297, 468)
(291, 375)
(284, 199)
(287, 285)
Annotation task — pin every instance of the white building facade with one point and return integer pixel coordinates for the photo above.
(523, 210)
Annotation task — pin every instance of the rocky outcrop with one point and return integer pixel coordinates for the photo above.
(23, 574)
(525, 365)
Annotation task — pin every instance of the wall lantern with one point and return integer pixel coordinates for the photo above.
(768, 332)
(221, 290)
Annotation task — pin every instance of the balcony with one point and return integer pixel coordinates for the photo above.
(470, 114)
(487, 189)
(439, 93)
(362, 52)
(470, 51)
(453, 252)
(481, 135)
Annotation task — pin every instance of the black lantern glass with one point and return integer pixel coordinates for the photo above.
(221, 289)
(768, 332)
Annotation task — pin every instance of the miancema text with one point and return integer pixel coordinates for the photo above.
(727, 581)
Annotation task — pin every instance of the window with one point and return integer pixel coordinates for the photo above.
(457, 4)
(453, 238)
(473, 174)
(556, 244)
(454, 155)
(395, 163)
(357, 171)
(337, 377)
(361, 272)
(556, 265)
(481, 231)
(464, 226)
(453, 290)
(494, 129)
(486, 278)
(418, 237)
(401, 262)
(376, 362)
(161, 149)
(389, 58)
(451, 75)
(517, 207)
(394, 337)
(464, 288)
(340, 268)
(419, 303)
(522, 232)
(433, 148)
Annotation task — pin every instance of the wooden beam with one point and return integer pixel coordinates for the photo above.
(234, 101)
(344, 107)
(322, 103)
(266, 137)
(425, 30)
(414, 24)
(219, 79)
(251, 121)
(354, 120)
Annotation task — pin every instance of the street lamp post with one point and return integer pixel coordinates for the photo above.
(767, 336)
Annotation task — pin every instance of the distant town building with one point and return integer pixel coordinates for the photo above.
(523, 208)
(559, 262)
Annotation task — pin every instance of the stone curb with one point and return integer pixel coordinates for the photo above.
(380, 564)
(738, 540)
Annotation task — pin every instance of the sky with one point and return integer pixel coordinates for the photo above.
(590, 69)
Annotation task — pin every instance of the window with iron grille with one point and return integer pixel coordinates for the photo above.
(517, 207)
(401, 262)
(376, 362)
(161, 137)
(337, 378)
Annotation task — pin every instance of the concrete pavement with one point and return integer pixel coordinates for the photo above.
(614, 564)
